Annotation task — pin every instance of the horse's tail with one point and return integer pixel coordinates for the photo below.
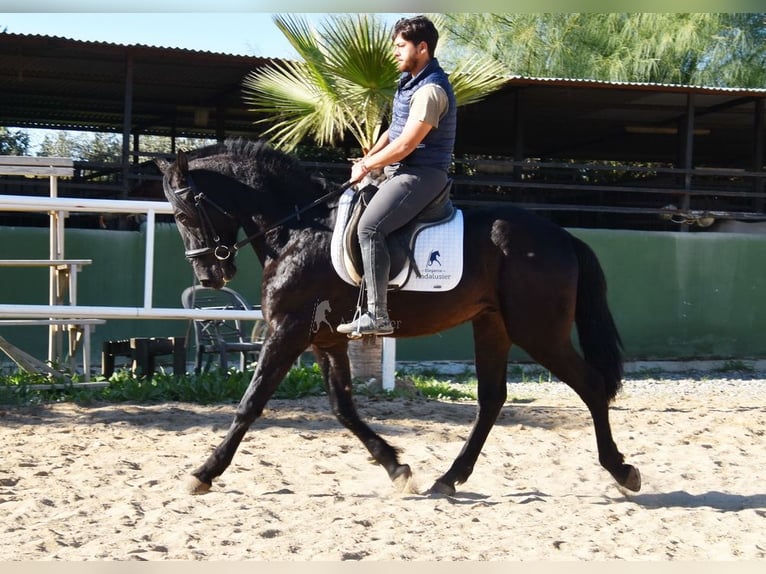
(599, 339)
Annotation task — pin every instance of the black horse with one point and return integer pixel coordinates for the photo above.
(526, 281)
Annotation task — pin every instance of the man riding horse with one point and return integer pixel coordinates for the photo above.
(415, 152)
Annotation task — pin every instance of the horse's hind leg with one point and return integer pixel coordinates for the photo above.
(564, 362)
(491, 347)
(337, 375)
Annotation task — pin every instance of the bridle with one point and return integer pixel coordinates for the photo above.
(213, 243)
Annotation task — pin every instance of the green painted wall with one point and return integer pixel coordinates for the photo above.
(673, 295)
(685, 295)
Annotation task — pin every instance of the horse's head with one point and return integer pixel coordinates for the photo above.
(204, 219)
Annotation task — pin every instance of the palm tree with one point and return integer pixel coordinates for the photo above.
(345, 83)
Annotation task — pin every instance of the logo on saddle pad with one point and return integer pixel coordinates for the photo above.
(426, 255)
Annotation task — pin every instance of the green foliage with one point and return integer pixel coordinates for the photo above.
(164, 144)
(13, 142)
(300, 382)
(205, 388)
(82, 146)
(711, 49)
(529, 374)
(344, 82)
(94, 147)
(444, 390)
(210, 387)
(735, 366)
(18, 388)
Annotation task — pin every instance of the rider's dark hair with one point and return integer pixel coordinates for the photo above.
(416, 30)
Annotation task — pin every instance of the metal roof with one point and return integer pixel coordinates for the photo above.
(58, 83)
(597, 120)
(590, 83)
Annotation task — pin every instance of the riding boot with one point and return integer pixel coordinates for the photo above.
(376, 263)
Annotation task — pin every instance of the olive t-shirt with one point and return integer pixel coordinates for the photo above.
(429, 104)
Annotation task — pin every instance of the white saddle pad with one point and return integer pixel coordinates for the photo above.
(438, 254)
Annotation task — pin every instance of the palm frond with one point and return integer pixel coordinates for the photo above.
(472, 80)
(359, 51)
(301, 36)
(287, 95)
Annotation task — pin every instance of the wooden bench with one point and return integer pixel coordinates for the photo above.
(63, 272)
(142, 352)
(65, 291)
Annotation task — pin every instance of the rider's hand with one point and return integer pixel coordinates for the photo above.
(358, 170)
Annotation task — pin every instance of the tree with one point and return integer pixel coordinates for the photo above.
(690, 49)
(82, 146)
(100, 147)
(163, 144)
(345, 84)
(13, 142)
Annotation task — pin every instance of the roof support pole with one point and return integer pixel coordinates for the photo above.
(220, 123)
(136, 148)
(687, 156)
(127, 123)
(518, 134)
(758, 128)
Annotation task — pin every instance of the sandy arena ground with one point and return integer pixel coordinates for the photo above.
(108, 482)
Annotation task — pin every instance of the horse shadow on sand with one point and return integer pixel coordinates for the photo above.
(721, 501)
(391, 416)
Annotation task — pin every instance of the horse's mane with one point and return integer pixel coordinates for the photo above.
(259, 165)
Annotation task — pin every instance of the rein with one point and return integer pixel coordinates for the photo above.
(224, 252)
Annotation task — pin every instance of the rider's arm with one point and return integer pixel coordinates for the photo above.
(379, 145)
(413, 133)
(428, 105)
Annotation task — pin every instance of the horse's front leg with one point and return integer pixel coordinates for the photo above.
(279, 353)
(337, 375)
(491, 346)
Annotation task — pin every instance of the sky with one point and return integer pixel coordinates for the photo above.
(247, 34)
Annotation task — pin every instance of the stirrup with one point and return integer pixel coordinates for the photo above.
(364, 324)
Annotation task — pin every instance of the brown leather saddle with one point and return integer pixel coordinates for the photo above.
(401, 243)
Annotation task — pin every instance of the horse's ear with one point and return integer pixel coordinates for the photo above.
(182, 163)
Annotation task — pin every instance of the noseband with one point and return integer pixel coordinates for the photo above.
(213, 242)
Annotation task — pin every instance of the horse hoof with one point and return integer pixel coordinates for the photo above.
(195, 486)
(402, 480)
(632, 482)
(442, 488)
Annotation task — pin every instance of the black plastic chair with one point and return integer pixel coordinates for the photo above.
(223, 336)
